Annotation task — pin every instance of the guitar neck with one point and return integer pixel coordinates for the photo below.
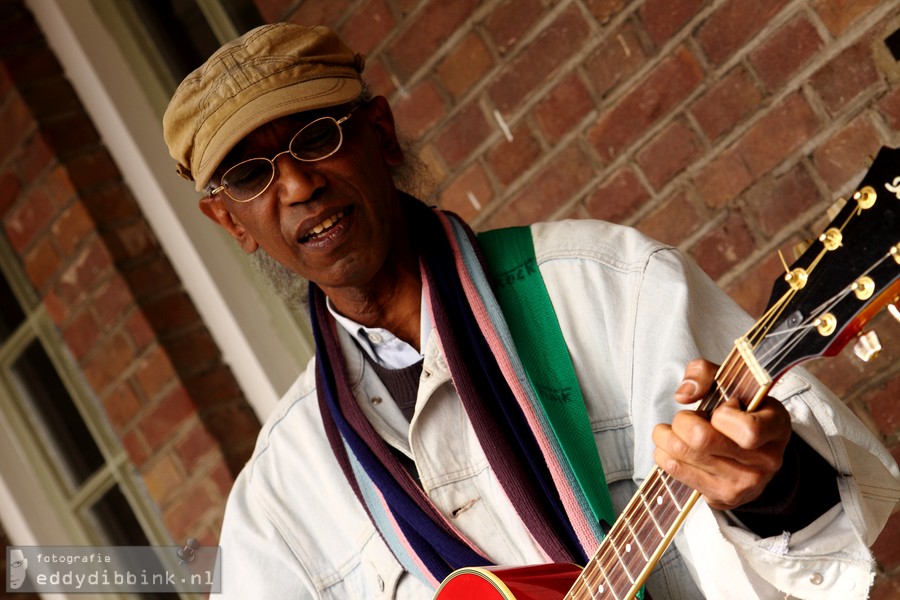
(650, 521)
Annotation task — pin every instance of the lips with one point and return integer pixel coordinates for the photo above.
(322, 227)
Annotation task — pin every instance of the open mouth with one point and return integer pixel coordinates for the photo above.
(323, 227)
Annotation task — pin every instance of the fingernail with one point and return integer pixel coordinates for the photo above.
(688, 388)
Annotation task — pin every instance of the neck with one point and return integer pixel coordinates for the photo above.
(393, 301)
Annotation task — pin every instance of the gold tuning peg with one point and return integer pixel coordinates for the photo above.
(867, 346)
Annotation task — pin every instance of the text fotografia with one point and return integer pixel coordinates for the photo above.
(114, 569)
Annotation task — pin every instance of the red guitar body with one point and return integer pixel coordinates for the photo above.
(536, 582)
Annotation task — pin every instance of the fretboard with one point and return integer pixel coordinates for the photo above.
(650, 521)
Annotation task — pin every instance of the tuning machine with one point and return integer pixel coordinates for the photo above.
(867, 346)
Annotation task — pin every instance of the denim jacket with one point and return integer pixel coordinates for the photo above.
(633, 313)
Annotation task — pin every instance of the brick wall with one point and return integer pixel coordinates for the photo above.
(725, 127)
(99, 271)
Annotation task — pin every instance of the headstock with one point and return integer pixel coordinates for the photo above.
(841, 281)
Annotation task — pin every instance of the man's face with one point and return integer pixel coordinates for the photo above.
(18, 566)
(331, 221)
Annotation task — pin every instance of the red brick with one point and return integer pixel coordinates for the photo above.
(213, 387)
(754, 287)
(58, 311)
(774, 203)
(31, 64)
(51, 99)
(664, 18)
(109, 362)
(837, 15)
(42, 263)
(886, 587)
(420, 110)
(131, 240)
(842, 157)
(472, 181)
(59, 186)
(17, 27)
(465, 133)
(617, 198)
(889, 107)
(17, 125)
(673, 221)
(727, 244)
(139, 330)
(669, 154)
(723, 179)
(171, 312)
(223, 479)
(604, 10)
(135, 447)
(10, 190)
(184, 517)
(552, 47)
(778, 134)
(378, 78)
(110, 204)
(70, 132)
(36, 157)
(510, 20)
(547, 191)
(884, 407)
(617, 57)
(121, 405)
(154, 373)
(235, 424)
(509, 160)
(426, 32)
(732, 25)
(72, 228)
(649, 101)
(563, 108)
(727, 103)
(154, 277)
(850, 74)
(161, 423)
(195, 446)
(81, 334)
(91, 168)
(308, 12)
(465, 65)
(163, 478)
(785, 52)
(193, 350)
(91, 265)
(368, 25)
(112, 300)
(29, 220)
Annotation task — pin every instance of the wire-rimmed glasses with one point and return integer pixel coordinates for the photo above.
(249, 179)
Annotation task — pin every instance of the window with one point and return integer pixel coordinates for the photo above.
(61, 435)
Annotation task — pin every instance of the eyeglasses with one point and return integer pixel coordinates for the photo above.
(249, 179)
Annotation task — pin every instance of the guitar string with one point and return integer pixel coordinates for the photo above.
(659, 485)
(759, 329)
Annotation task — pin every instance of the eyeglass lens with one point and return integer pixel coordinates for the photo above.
(315, 141)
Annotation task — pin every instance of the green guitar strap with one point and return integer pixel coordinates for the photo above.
(523, 297)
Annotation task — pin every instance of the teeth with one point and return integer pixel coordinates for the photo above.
(326, 224)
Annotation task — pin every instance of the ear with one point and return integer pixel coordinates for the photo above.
(217, 211)
(382, 119)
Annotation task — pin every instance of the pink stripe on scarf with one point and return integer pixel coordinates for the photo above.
(576, 516)
(398, 531)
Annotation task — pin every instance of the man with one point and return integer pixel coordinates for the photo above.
(409, 447)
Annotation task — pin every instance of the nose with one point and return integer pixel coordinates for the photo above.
(295, 181)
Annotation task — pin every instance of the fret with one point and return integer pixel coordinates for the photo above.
(650, 512)
(612, 544)
(669, 490)
(637, 540)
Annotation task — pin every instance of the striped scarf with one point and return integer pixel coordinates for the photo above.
(493, 388)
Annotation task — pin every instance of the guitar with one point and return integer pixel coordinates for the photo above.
(822, 303)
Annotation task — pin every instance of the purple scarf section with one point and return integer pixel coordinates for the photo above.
(499, 424)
